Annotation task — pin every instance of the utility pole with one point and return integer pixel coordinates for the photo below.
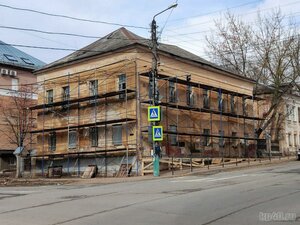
(154, 76)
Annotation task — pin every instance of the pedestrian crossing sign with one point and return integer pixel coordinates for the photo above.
(157, 132)
(153, 113)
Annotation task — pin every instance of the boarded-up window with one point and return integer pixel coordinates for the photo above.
(72, 139)
(52, 141)
(50, 96)
(94, 136)
(173, 135)
(117, 134)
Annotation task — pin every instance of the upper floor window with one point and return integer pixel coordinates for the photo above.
(49, 96)
(14, 84)
(122, 85)
(93, 87)
(172, 92)
(244, 106)
(232, 104)
(206, 99)
(66, 93)
(189, 96)
(220, 102)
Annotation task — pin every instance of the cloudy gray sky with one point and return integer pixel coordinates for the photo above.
(185, 26)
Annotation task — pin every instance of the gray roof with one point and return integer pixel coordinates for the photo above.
(122, 38)
(10, 55)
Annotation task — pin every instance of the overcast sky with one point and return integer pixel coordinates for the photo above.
(185, 26)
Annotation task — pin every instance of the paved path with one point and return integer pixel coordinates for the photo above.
(262, 195)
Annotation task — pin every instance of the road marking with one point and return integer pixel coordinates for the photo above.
(210, 179)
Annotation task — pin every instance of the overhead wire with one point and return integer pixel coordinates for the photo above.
(70, 17)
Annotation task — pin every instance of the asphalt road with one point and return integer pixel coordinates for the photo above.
(265, 195)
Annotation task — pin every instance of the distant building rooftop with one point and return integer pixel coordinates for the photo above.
(10, 55)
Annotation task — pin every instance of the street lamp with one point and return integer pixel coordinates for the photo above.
(154, 77)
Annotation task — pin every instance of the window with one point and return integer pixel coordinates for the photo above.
(220, 102)
(206, 137)
(10, 58)
(117, 134)
(290, 139)
(295, 140)
(172, 92)
(298, 114)
(49, 96)
(234, 139)
(189, 96)
(232, 104)
(72, 139)
(244, 106)
(52, 141)
(93, 87)
(221, 138)
(206, 99)
(173, 136)
(293, 113)
(94, 136)
(27, 61)
(246, 136)
(15, 84)
(66, 93)
(122, 85)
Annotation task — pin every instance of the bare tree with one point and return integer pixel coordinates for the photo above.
(17, 117)
(266, 51)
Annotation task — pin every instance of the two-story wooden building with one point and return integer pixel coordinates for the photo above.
(92, 107)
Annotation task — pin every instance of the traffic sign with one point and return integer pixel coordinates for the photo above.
(157, 133)
(153, 113)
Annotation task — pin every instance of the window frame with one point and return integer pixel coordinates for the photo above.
(114, 136)
(72, 145)
(50, 97)
(52, 141)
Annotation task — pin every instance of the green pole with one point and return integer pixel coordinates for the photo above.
(156, 166)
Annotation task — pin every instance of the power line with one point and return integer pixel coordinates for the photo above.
(213, 12)
(251, 12)
(48, 32)
(71, 17)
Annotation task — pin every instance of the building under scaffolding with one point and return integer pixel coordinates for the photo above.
(92, 108)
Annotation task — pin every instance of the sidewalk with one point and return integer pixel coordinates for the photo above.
(206, 170)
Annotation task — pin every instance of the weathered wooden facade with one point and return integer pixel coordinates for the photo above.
(92, 107)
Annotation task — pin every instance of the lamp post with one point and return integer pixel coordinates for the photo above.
(154, 81)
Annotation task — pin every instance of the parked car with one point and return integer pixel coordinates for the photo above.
(298, 154)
